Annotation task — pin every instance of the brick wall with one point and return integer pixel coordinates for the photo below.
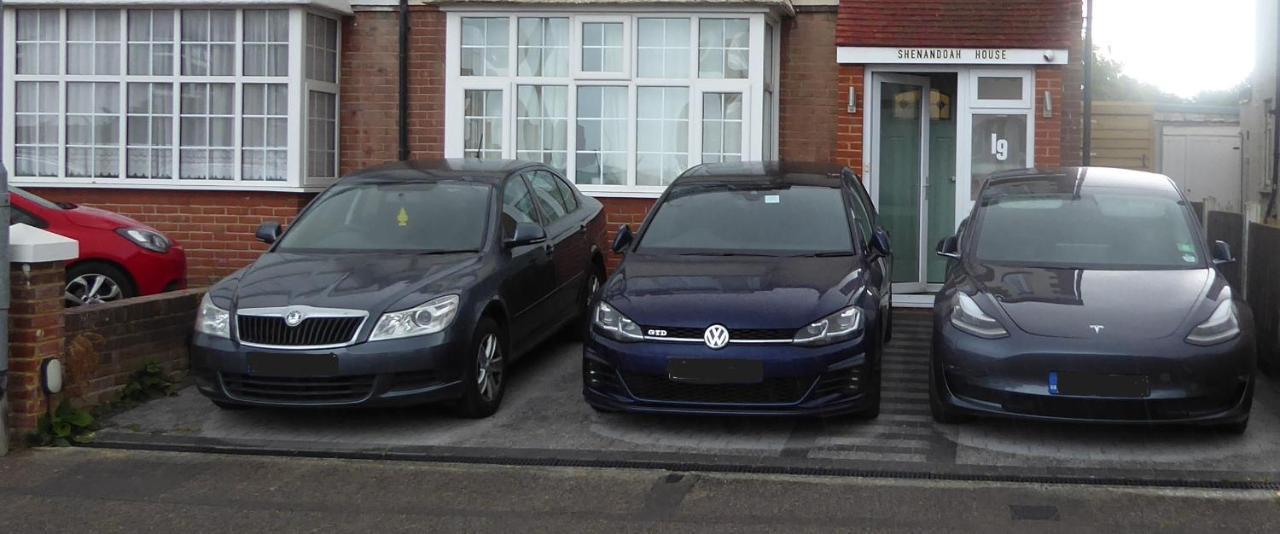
(620, 211)
(214, 227)
(960, 23)
(1048, 129)
(35, 335)
(849, 125)
(426, 82)
(107, 343)
(809, 99)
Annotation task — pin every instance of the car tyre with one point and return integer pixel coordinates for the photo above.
(484, 380)
(102, 282)
(579, 327)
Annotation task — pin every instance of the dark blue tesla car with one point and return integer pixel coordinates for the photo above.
(751, 289)
(1089, 294)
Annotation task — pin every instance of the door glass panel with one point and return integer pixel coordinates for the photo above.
(1000, 88)
(999, 144)
(900, 151)
(942, 172)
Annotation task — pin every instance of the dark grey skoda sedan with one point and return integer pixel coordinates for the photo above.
(1089, 294)
(407, 283)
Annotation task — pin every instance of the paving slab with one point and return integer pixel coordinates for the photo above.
(544, 420)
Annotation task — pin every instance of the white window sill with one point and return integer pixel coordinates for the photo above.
(165, 185)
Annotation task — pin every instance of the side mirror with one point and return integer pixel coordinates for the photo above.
(949, 248)
(880, 242)
(268, 232)
(623, 240)
(1222, 253)
(526, 234)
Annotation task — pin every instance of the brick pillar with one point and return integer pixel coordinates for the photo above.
(36, 326)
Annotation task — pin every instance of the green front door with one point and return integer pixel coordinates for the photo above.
(899, 126)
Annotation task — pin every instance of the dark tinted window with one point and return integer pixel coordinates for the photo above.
(17, 215)
(548, 196)
(398, 217)
(1114, 229)
(566, 193)
(722, 219)
(517, 205)
(862, 217)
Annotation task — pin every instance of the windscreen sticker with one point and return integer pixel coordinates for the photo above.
(1189, 258)
(402, 218)
(1186, 248)
(772, 199)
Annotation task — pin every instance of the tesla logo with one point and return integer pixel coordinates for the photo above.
(657, 333)
(716, 336)
(293, 318)
(1097, 328)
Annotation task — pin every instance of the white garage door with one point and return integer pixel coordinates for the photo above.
(1205, 163)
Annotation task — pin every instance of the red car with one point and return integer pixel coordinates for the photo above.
(119, 257)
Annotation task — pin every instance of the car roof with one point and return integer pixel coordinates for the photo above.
(764, 173)
(1075, 180)
(474, 170)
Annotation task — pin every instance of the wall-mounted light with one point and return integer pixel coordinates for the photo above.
(1048, 105)
(51, 375)
(853, 100)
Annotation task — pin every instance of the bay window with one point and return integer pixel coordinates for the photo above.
(619, 102)
(197, 97)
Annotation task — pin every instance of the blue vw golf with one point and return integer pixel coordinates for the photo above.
(751, 289)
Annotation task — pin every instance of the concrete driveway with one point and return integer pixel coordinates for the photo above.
(543, 420)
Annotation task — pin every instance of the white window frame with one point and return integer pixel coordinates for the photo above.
(576, 47)
(299, 87)
(1023, 102)
(752, 87)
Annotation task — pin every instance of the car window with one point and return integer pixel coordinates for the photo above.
(862, 217)
(770, 220)
(17, 215)
(393, 217)
(566, 192)
(1099, 230)
(548, 196)
(517, 205)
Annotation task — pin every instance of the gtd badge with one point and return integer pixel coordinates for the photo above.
(293, 318)
(716, 337)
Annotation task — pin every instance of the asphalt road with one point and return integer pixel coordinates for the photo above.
(544, 420)
(91, 490)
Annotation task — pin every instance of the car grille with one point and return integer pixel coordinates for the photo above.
(1099, 408)
(770, 391)
(311, 332)
(743, 334)
(325, 390)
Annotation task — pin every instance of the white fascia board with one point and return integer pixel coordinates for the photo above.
(28, 244)
(337, 6)
(778, 6)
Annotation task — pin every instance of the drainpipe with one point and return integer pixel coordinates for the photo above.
(404, 80)
(4, 287)
(1086, 145)
(1275, 131)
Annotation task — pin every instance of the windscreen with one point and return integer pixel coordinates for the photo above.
(40, 201)
(1101, 230)
(719, 219)
(399, 217)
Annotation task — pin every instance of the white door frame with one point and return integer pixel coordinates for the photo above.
(922, 195)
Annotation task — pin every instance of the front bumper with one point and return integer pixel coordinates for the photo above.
(156, 273)
(798, 381)
(383, 373)
(1009, 377)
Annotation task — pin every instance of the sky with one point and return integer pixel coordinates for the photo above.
(1181, 46)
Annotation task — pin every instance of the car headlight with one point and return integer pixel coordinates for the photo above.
(212, 320)
(428, 318)
(1222, 326)
(615, 325)
(839, 326)
(147, 239)
(969, 318)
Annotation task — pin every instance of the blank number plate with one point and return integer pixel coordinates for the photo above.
(292, 365)
(1098, 385)
(700, 371)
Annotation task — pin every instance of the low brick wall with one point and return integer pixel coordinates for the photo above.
(107, 343)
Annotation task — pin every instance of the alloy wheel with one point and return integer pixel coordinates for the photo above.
(489, 370)
(91, 288)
